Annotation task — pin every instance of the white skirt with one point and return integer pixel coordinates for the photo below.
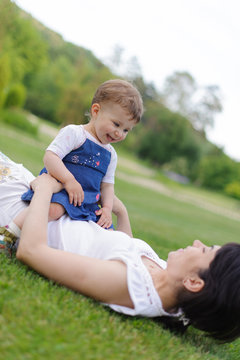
(14, 181)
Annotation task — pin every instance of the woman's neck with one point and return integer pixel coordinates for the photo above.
(166, 292)
(162, 284)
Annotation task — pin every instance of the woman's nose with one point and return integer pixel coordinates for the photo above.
(198, 244)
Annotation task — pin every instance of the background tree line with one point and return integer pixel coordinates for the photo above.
(55, 80)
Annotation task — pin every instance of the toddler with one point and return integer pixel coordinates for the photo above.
(82, 159)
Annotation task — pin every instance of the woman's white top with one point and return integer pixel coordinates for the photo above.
(88, 238)
(14, 181)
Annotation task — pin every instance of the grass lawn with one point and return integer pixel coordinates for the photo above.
(40, 320)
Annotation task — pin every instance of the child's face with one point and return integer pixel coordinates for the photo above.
(110, 122)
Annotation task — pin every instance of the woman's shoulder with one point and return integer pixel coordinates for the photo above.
(146, 250)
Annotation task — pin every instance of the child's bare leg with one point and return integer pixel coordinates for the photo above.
(55, 211)
(19, 219)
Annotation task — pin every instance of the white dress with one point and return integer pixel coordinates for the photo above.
(88, 238)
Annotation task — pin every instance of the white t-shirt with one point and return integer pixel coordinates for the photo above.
(88, 238)
(71, 137)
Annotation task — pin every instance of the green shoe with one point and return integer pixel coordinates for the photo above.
(7, 241)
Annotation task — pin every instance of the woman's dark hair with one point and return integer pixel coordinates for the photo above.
(216, 308)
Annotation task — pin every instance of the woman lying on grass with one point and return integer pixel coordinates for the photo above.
(198, 285)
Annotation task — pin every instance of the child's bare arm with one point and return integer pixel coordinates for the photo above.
(123, 222)
(107, 194)
(57, 169)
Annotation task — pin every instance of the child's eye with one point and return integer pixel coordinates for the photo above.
(126, 130)
(116, 124)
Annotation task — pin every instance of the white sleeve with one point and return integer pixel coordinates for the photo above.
(69, 138)
(110, 174)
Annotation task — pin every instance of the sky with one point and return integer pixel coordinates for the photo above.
(201, 37)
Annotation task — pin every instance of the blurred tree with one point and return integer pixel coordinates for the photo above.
(22, 52)
(24, 45)
(133, 69)
(166, 135)
(76, 98)
(74, 105)
(43, 94)
(28, 45)
(178, 91)
(147, 90)
(182, 94)
(115, 60)
(15, 96)
(4, 77)
(47, 87)
(7, 17)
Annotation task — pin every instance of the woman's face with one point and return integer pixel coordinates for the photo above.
(187, 262)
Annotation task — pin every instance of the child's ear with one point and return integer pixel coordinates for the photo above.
(95, 109)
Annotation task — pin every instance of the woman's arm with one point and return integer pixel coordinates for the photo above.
(100, 279)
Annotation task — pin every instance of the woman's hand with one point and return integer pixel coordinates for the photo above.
(46, 181)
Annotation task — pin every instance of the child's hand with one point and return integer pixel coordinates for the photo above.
(75, 192)
(106, 217)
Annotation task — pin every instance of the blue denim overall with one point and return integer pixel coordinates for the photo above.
(89, 165)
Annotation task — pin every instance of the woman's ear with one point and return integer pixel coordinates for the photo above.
(95, 109)
(193, 283)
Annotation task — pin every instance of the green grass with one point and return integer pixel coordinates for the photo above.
(40, 320)
(23, 148)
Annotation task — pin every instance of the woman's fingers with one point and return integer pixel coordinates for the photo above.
(45, 180)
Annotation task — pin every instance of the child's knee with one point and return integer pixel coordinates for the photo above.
(55, 211)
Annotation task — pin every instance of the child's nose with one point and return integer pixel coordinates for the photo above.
(118, 133)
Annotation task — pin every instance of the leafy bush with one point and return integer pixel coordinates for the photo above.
(216, 172)
(18, 120)
(233, 189)
(166, 136)
(16, 96)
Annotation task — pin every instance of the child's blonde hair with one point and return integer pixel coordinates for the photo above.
(123, 93)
